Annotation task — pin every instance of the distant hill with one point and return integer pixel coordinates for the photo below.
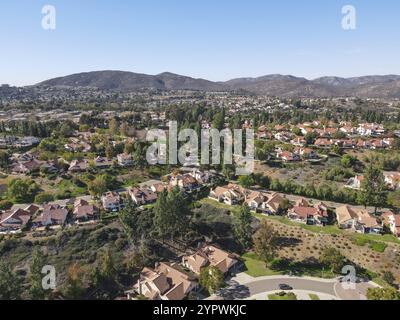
(129, 81)
(275, 85)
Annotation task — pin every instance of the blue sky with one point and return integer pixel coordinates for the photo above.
(213, 39)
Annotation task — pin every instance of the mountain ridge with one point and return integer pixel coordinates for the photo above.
(373, 86)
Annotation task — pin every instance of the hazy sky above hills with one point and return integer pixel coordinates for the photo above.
(216, 40)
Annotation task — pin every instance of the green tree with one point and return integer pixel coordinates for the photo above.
(98, 186)
(36, 290)
(171, 212)
(265, 241)
(44, 197)
(297, 131)
(219, 120)
(109, 151)
(333, 259)
(373, 188)
(4, 159)
(310, 138)
(22, 191)
(48, 145)
(389, 278)
(212, 279)
(108, 266)
(242, 227)
(10, 283)
(394, 199)
(383, 294)
(348, 161)
(246, 181)
(5, 205)
(74, 288)
(124, 129)
(113, 126)
(67, 129)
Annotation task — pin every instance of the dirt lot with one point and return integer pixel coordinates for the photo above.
(303, 244)
(301, 172)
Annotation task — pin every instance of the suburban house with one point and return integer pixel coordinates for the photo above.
(392, 221)
(255, 200)
(302, 202)
(309, 215)
(299, 141)
(125, 159)
(274, 203)
(210, 255)
(357, 219)
(102, 162)
(287, 156)
(323, 143)
(111, 201)
(184, 181)
(77, 146)
(78, 165)
(14, 220)
(203, 178)
(283, 136)
(346, 143)
(155, 186)
(27, 167)
(83, 211)
(348, 129)
(230, 194)
(355, 183)
(28, 141)
(50, 167)
(306, 153)
(369, 129)
(267, 203)
(141, 196)
(166, 282)
(393, 180)
(51, 215)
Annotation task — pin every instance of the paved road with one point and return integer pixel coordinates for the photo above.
(261, 286)
(243, 287)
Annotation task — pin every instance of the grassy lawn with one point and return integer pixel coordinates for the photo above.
(381, 282)
(372, 237)
(288, 296)
(255, 267)
(65, 185)
(313, 296)
(377, 242)
(374, 245)
(314, 229)
(219, 205)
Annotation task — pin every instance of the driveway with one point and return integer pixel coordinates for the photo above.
(244, 286)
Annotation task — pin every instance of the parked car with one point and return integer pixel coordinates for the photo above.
(285, 287)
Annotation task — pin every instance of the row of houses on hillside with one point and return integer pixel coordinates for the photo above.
(173, 281)
(392, 181)
(146, 193)
(347, 217)
(233, 194)
(18, 142)
(373, 144)
(52, 214)
(309, 214)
